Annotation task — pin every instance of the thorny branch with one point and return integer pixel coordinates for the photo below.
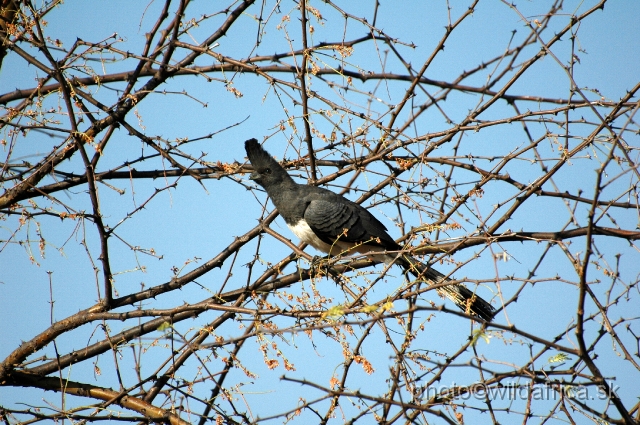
(527, 196)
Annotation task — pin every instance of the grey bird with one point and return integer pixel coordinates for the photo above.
(333, 224)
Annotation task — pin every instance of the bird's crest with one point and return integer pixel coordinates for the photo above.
(260, 159)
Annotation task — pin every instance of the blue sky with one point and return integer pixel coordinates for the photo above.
(191, 223)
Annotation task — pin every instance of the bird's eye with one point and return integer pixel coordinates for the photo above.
(267, 171)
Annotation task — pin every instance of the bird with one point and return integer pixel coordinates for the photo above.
(333, 224)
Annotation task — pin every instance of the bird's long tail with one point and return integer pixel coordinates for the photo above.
(466, 300)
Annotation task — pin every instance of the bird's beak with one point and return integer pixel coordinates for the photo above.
(254, 176)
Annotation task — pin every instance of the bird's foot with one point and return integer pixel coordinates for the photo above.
(319, 266)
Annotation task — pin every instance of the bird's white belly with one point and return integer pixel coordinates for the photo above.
(302, 230)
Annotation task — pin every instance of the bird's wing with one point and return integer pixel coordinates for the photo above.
(339, 219)
(332, 220)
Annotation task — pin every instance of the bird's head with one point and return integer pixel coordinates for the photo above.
(266, 170)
